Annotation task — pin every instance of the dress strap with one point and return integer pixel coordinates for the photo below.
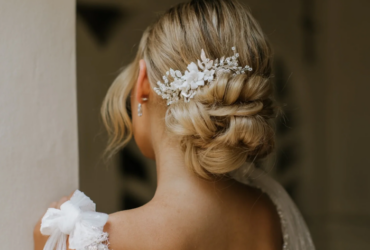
(78, 219)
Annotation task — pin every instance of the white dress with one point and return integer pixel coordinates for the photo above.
(78, 219)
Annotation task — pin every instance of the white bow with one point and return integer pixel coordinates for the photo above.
(78, 219)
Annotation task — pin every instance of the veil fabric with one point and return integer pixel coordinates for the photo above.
(295, 232)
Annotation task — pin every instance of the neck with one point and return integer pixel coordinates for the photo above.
(173, 176)
(171, 168)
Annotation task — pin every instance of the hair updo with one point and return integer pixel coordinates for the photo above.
(228, 122)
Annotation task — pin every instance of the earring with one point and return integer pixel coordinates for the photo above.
(139, 107)
(139, 110)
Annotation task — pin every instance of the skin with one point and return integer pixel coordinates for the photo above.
(186, 212)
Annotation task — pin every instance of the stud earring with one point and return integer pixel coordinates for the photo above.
(139, 110)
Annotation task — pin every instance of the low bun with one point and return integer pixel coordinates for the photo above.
(228, 121)
(226, 124)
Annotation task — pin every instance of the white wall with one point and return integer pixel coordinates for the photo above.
(38, 125)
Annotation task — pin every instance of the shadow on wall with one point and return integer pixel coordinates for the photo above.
(321, 82)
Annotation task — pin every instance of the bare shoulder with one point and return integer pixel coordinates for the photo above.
(266, 221)
(142, 228)
(239, 218)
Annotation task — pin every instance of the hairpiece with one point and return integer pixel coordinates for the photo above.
(185, 85)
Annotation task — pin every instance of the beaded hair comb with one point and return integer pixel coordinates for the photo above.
(185, 86)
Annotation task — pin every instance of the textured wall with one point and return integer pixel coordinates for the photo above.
(38, 125)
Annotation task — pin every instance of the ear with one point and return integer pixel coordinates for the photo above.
(142, 84)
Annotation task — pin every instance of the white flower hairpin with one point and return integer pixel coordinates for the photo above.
(185, 86)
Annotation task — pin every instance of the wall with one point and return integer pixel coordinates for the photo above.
(38, 121)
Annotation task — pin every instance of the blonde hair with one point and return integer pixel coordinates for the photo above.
(228, 122)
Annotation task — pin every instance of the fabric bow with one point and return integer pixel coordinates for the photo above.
(78, 219)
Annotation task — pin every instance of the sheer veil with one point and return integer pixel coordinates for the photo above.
(295, 232)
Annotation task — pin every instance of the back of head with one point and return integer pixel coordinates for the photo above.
(228, 121)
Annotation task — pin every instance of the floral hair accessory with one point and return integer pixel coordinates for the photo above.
(185, 86)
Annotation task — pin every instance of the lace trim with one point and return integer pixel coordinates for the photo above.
(99, 242)
(88, 237)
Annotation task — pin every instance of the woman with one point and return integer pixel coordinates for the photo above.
(202, 109)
